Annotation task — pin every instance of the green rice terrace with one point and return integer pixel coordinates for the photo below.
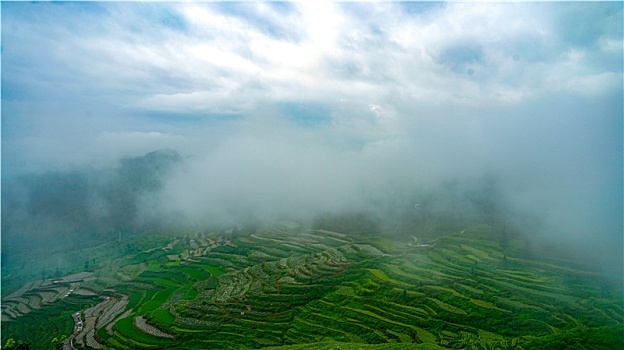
(292, 287)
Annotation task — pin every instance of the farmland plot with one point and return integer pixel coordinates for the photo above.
(324, 289)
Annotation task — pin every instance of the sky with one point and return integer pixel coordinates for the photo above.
(300, 106)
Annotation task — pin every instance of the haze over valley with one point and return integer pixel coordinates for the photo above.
(189, 159)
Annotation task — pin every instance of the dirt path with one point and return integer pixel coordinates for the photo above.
(149, 329)
(96, 317)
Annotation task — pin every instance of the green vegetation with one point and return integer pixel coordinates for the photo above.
(314, 289)
(41, 326)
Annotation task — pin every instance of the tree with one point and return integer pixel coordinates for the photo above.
(10, 344)
(57, 342)
(17, 345)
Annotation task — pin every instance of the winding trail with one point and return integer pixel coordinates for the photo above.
(96, 317)
(147, 328)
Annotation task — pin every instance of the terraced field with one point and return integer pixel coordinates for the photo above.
(299, 288)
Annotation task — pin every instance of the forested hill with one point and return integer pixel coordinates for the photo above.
(61, 210)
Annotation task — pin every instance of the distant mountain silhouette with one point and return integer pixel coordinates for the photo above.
(144, 173)
(80, 207)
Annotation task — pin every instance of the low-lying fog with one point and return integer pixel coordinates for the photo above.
(287, 111)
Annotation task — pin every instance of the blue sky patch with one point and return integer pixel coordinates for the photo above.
(172, 20)
(308, 115)
(458, 58)
(247, 12)
(420, 7)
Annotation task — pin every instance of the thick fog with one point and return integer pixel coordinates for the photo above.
(287, 111)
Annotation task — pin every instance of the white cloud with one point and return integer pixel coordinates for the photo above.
(412, 98)
(110, 146)
(461, 53)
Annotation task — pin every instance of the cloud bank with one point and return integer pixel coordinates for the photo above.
(295, 108)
